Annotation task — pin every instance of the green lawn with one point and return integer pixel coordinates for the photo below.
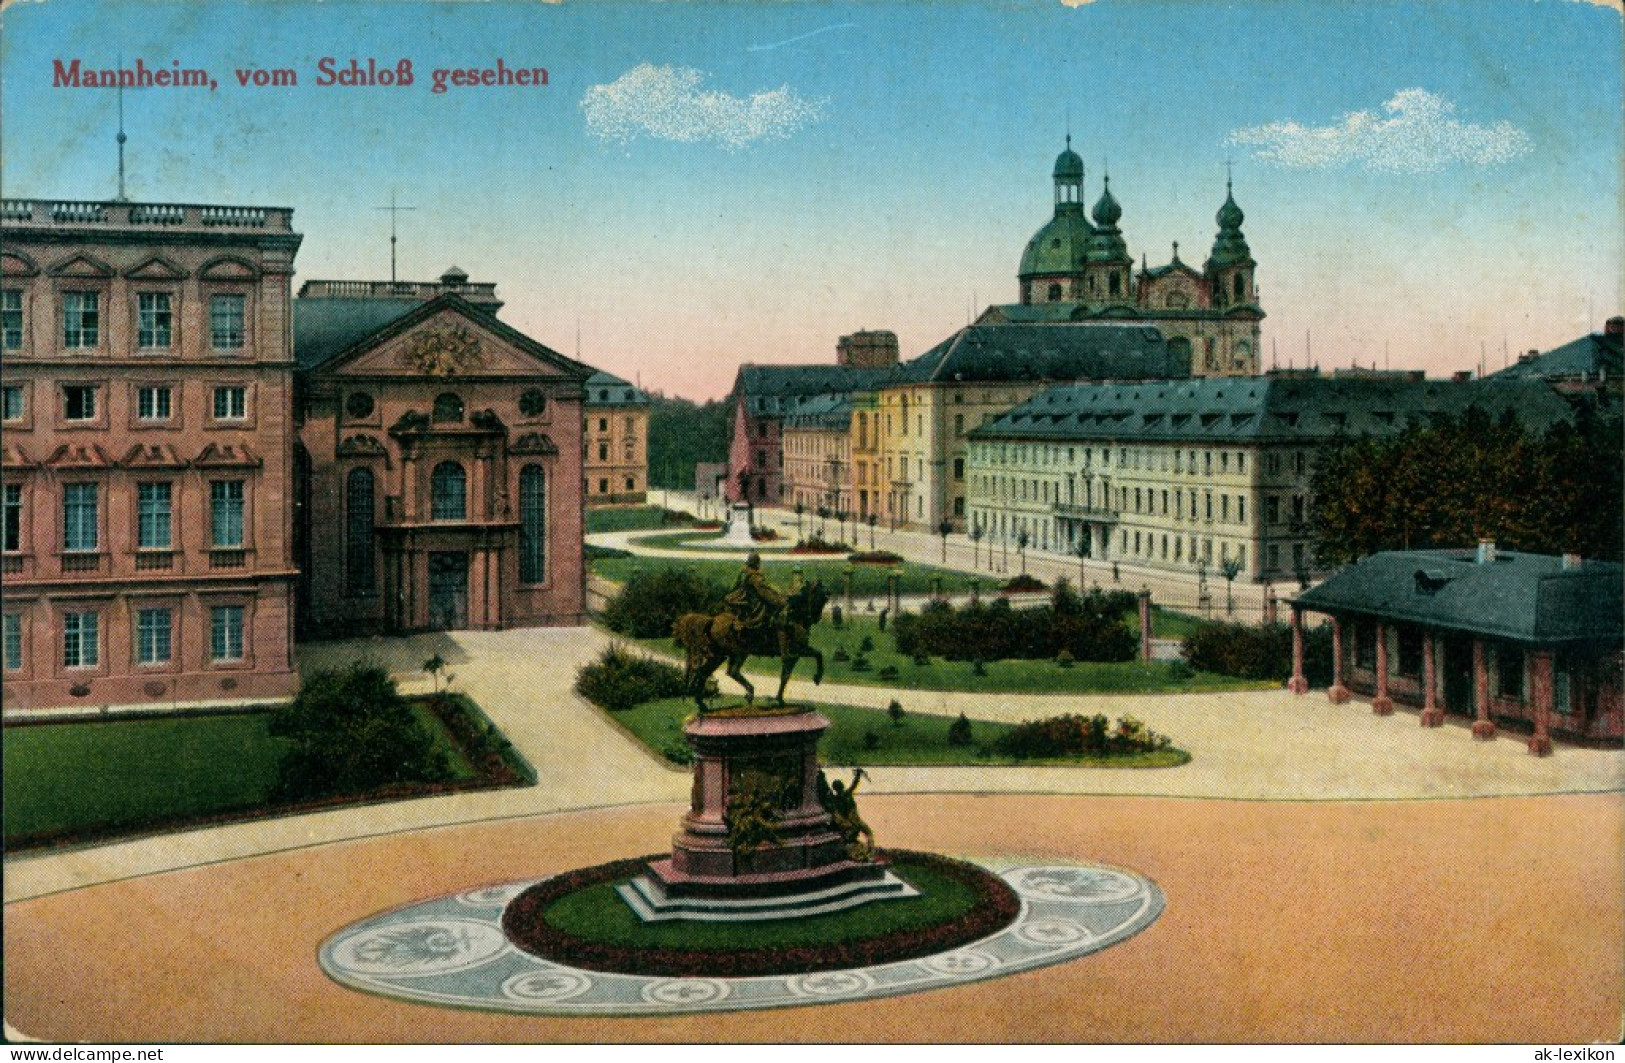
(123, 776)
(1002, 677)
(868, 581)
(624, 518)
(598, 914)
(681, 540)
(918, 739)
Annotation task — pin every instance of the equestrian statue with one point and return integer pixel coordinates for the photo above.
(757, 621)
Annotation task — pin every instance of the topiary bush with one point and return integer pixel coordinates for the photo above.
(1089, 627)
(620, 679)
(351, 732)
(650, 602)
(959, 732)
(1073, 735)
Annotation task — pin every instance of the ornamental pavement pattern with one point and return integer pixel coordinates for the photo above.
(452, 951)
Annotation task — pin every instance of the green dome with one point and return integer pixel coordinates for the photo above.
(1061, 245)
(1229, 247)
(1230, 215)
(1107, 212)
(1068, 164)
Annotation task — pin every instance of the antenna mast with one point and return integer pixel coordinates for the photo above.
(393, 211)
(122, 198)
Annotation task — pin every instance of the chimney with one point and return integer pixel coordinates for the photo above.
(1571, 562)
(1614, 327)
(1486, 551)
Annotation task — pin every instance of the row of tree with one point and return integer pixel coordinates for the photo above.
(1474, 477)
(682, 434)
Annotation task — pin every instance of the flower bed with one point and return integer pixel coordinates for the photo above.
(527, 925)
(1023, 584)
(876, 557)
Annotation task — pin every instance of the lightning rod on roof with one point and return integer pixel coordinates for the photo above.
(122, 198)
(393, 211)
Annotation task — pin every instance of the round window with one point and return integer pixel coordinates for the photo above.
(532, 402)
(359, 404)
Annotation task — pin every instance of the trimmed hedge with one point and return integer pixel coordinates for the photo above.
(620, 679)
(1089, 627)
(1259, 651)
(1073, 735)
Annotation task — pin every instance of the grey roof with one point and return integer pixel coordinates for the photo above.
(1522, 597)
(772, 390)
(324, 327)
(1257, 409)
(1593, 355)
(607, 389)
(1026, 352)
(823, 412)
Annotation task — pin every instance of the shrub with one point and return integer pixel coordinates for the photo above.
(921, 660)
(1065, 658)
(876, 557)
(817, 544)
(651, 602)
(860, 663)
(1022, 584)
(619, 679)
(1073, 735)
(895, 711)
(1089, 627)
(959, 732)
(763, 535)
(867, 645)
(837, 617)
(1259, 651)
(352, 732)
(871, 740)
(888, 672)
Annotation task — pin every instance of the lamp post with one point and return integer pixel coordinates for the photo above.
(976, 534)
(840, 524)
(800, 509)
(943, 529)
(1231, 567)
(1022, 539)
(874, 519)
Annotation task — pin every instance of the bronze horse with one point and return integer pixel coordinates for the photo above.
(709, 640)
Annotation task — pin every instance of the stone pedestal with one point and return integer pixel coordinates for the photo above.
(806, 868)
(738, 533)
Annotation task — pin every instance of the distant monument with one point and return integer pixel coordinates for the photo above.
(738, 534)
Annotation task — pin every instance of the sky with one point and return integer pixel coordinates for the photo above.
(1426, 184)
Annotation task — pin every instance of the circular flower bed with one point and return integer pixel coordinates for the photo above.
(993, 906)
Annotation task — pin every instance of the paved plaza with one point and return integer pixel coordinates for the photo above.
(1329, 875)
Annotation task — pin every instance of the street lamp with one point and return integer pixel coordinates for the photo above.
(1231, 569)
(976, 534)
(874, 518)
(943, 529)
(1022, 539)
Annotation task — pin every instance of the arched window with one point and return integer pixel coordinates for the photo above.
(448, 492)
(1055, 293)
(1115, 283)
(448, 407)
(532, 524)
(1240, 288)
(359, 575)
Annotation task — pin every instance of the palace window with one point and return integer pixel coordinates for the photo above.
(533, 524)
(226, 633)
(359, 404)
(11, 535)
(230, 403)
(12, 625)
(359, 509)
(81, 642)
(226, 322)
(153, 516)
(532, 402)
(226, 514)
(79, 402)
(153, 641)
(448, 492)
(153, 403)
(79, 517)
(81, 324)
(14, 404)
(11, 319)
(155, 320)
(448, 407)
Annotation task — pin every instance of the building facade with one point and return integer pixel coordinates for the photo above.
(1194, 476)
(148, 453)
(440, 460)
(616, 440)
(1491, 636)
(1077, 267)
(818, 455)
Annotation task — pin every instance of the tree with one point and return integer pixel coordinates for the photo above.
(1231, 567)
(800, 509)
(943, 529)
(874, 518)
(976, 533)
(351, 732)
(682, 434)
(1022, 539)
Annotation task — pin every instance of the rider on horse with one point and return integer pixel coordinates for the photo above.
(753, 600)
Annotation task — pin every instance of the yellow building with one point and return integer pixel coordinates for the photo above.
(616, 441)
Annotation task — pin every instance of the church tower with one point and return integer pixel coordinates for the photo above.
(1230, 265)
(1108, 267)
(1052, 265)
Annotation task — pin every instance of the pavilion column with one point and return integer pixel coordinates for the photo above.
(1382, 704)
(1145, 625)
(1432, 714)
(1337, 693)
(1483, 726)
(1540, 693)
(1297, 684)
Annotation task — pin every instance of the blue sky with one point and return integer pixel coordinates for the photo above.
(701, 184)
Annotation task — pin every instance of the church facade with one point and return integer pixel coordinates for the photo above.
(440, 463)
(1077, 267)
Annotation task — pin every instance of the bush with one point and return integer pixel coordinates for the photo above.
(876, 557)
(352, 732)
(1022, 584)
(1261, 651)
(871, 740)
(619, 680)
(867, 645)
(1065, 658)
(959, 732)
(817, 544)
(840, 655)
(860, 663)
(888, 672)
(651, 602)
(1089, 627)
(895, 711)
(837, 617)
(1073, 735)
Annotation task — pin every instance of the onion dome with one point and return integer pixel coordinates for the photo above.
(1107, 212)
(1068, 164)
(1230, 246)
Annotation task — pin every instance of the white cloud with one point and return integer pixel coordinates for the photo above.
(668, 103)
(1421, 135)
